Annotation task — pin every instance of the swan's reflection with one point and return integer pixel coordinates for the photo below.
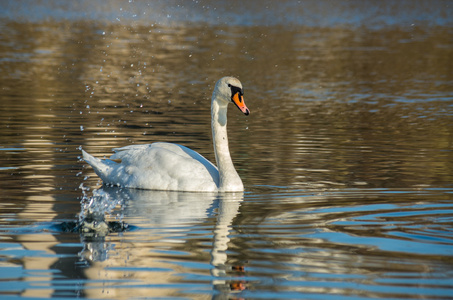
(152, 211)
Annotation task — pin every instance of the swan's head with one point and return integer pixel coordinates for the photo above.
(229, 89)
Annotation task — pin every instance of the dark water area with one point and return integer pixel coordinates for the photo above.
(346, 157)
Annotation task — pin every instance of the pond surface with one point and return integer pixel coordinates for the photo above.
(346, 157)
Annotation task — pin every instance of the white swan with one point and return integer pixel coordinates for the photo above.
(166, 166)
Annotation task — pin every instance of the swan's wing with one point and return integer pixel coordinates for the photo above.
(130, 152)
(162, 166)
(189, 153)
(133, 153)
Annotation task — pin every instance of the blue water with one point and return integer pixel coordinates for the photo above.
(310, 13)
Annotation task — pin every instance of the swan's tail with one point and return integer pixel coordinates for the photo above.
(102, 167)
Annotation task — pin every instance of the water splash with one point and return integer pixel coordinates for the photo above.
(99, 205)
(94, 210)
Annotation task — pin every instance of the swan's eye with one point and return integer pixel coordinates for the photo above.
(235, 90)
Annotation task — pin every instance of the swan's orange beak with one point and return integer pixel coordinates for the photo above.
(238, 99)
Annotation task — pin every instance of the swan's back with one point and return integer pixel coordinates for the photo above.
(157, 166)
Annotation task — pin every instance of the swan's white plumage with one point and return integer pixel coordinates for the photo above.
(142, 167)
(166, 166)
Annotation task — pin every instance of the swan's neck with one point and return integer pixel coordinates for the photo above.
(229, 178)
